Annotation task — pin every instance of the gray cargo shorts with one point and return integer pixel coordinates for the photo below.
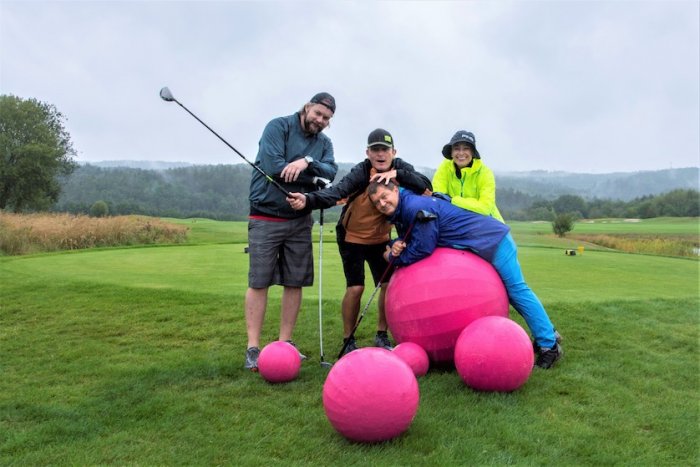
(280, 253)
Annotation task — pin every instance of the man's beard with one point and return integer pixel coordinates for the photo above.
(310, 126)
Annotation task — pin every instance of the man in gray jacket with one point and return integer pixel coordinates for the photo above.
(294, 151)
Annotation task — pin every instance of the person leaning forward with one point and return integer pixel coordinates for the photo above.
(458, 228)
(362, 232)
(294, 151)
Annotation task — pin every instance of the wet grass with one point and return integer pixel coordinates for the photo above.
(134, 356)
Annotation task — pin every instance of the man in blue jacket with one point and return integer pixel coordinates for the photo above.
(461, 229)
(297, 154)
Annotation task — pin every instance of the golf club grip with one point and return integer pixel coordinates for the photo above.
(274, 182)
(408, 232)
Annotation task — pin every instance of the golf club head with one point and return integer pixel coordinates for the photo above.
(326, 364)
(425, 216)
(166, 95)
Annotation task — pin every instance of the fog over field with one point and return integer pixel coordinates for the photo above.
(586, 87)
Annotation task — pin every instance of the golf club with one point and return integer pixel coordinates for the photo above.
(324, 363)
(167, 96)
(421, 216)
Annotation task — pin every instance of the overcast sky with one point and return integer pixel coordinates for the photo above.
(577, 86)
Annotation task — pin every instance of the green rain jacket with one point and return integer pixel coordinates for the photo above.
(474, 189)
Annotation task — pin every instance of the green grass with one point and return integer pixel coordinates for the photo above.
(539, 233)
(210, 231)
(134, 356)
(657, 225)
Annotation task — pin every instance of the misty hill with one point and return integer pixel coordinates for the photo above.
(145, 165)
(221, 192)
(623, 186)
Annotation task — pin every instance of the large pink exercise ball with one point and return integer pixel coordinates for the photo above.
(415, 356)
(370, 395)
(429, 302)
(494, 354)
(279, 362)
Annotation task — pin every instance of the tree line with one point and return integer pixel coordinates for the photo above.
(213, 191)
(38, 173)
(516, 205)
(221, 192)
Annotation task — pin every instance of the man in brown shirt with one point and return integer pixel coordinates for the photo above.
(362, 231)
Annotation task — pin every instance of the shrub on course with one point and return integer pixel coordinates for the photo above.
(22, 234)
(666, 245)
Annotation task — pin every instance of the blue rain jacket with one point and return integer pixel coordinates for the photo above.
(452, 227)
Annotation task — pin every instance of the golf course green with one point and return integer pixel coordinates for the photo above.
(135, 356)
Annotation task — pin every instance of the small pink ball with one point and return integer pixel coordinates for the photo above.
(494, 354)
(415, 356)
(370, 395)
(279, 362)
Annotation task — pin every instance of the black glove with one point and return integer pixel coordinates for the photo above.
(442, 196)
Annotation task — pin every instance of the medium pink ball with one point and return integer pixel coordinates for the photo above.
(279, 362)
(431, 301)
(415, 356)
(494, 354)
(370, 395)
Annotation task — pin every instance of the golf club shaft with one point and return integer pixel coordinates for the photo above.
(261, 171)
(320, 283)
(376, 289)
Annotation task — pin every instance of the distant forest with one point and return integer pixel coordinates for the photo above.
(221, 192)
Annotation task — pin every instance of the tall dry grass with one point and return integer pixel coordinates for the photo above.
(22, 234)
(665, 245)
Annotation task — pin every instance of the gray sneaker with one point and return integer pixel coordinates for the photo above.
(351, 345)
(382, 340)
(251, 358)
(303, 357)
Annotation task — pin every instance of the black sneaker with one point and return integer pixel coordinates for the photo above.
(303, 357)
(536, 347)
(251, 358)
(546, 358)
(382, 340)
(351, 345)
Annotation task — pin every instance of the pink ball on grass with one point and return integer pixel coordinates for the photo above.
(279, 362)
(415, 356)
(370, 395)
(494, 354)
(431, 301)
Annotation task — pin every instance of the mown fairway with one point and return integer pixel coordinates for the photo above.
(134, 356)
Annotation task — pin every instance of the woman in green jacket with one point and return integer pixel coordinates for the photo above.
(464, 178)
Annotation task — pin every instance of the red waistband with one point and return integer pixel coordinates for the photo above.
(267, 218)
